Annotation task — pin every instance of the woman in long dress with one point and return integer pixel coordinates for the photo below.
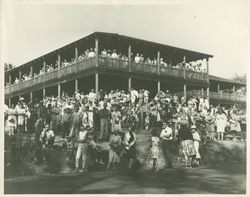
(221, 122)
(12, 120)
(114, 151)
(235, 124)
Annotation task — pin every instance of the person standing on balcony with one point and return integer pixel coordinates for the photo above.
(114, 54)
(91, 53)
(137, 58)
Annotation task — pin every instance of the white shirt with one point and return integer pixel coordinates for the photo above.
(137, 59)
(166, 134)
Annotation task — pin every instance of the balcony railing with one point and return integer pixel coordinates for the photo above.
(196, 75)
(141, 67)
(48, 76)
(171, 71)
(113, 63)
(107, 63)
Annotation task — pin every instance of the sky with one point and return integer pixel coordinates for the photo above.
(220, 28)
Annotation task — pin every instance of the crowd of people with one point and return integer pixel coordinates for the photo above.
(89, 119)
(196, 66)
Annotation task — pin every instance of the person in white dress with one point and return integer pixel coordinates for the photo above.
(220, 122)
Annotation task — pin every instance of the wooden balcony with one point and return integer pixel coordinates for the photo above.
(114, 64)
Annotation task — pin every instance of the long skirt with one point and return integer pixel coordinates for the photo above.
(187, 148)
(113, 156)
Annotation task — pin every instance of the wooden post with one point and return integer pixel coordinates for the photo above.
(59, 60)
(158, 62)
(184, 67)
(218, 88)
(97, 84)
(234, 94)
(208, 92)
(202, 92)
(10, 78)
(59, 90)
(185, 91)
(31, 96)
(44, 92)
(207, 63)
(96, 51)
(9, 102)
(20, 75)
(31, 71)
(129, 84)
(76, 54)
(129, 58)
(158, 87)
(76, 84)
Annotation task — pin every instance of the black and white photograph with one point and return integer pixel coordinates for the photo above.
(124, 97)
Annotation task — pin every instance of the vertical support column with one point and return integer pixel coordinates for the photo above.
(31, 71)
(97, 85)
(96, 51)
(9, 102)
(158, 62)
(76, 54)
(234, 94)
(31, 96)
(185, 92)
(44, 92)
(208, 92)
(185, 76)
(158, 87)
(218, 88)
(207, 63)
(129, 58)
(129, 84)
(10, 78)
(129, 68)
(59, 90)
(20, 75)
(184, 67)
(202, 92)
(76, 84)
(59, 60)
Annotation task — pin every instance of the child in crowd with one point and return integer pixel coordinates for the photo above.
(154, 150)
(196, 139)
(69, 147)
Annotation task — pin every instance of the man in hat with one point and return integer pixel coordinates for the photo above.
(166, 138)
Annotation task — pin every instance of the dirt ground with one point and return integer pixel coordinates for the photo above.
(225, 179)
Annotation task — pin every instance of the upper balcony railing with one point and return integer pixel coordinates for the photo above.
(104, 62)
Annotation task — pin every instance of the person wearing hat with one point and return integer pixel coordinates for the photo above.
(82, 148)
(196, 139)
(166, 141)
